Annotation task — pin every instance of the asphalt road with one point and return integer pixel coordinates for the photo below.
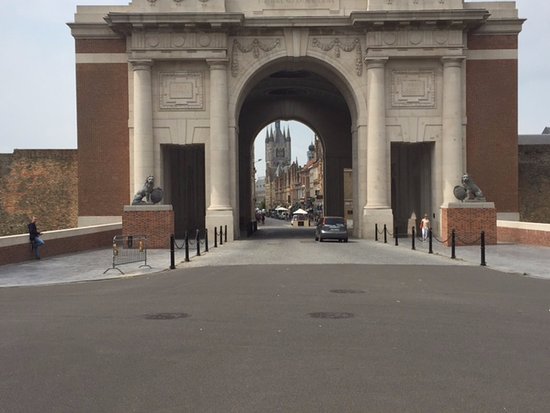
(280, 338)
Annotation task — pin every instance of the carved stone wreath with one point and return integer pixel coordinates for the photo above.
(255, 47)
(338, 46)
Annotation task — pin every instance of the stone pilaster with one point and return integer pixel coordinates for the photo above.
(144, 163)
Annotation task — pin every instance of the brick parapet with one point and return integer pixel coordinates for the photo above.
(528, 233)
(156, 224)
(468, 224)
(16, 249)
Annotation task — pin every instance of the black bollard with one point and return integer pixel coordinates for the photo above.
(186, 247)
(385, 234)
(215, 237)
(395, 236)
(453, 244)
(221, 235)
(225, 234)
(376, 232)
(483, 262)
(430, 236)
(413, 238)
(172, 254)
(206, 239)
(198, 241)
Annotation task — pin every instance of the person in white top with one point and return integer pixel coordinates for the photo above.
(425, 227)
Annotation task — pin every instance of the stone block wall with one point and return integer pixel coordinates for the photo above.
(534, 183)
(468, 222)
(40, 182)
(155, 222)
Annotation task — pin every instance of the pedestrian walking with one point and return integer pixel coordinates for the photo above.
(425, 227)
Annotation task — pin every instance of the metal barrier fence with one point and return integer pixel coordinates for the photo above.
(200, 239)
(128, 249)
(453, 237)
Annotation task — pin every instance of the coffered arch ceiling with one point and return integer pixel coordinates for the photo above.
(301, 95)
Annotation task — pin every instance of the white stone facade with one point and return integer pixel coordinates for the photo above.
(400, 67)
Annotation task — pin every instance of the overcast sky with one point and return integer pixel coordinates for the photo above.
(37, 95)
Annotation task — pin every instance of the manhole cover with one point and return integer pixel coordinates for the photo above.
(345, 291)
(331, 315)
(166, 316)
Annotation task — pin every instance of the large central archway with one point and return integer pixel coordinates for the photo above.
(304, 90)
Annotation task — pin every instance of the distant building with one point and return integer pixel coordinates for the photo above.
(277, 148)
(260, 191)
(297, 185)
(278, 154)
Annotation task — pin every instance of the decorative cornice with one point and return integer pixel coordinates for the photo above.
(452, 18)
(125, 22)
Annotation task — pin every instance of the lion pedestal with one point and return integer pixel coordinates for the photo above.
(156, 222)
(468, 219)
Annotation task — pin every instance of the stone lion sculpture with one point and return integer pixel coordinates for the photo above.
(149, 192)
(469, 191)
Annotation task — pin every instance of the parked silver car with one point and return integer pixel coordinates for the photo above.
(331, 228)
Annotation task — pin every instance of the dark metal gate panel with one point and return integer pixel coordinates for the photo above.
(410, 182)
(184, 165)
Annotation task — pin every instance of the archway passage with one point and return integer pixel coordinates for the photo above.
(304, 93)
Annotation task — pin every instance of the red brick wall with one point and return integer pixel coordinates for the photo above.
(103, 139)
(492, 113)
(100, 46)
(468, 224)
(492, 42)
(523, 236)
(38, 182)
(157, 226)
(22, 252)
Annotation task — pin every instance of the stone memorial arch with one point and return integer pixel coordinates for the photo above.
(410, 94)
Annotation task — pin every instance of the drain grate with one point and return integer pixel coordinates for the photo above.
(331, 315)
(166, 316)
(345, 291)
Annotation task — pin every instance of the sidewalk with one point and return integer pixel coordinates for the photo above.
(89, 266)
(528, 260)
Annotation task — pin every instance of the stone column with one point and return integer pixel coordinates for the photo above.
(377, 209)
(143, 123)
(452, 155)
(219, 137)
(220, 211)
(377, 145)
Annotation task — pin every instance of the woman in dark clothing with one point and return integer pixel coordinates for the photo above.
(34, 236)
